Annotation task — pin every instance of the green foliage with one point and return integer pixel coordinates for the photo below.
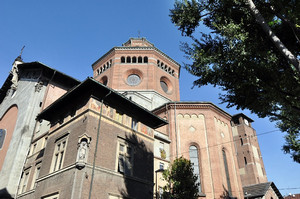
(239, 57)
(182, 183)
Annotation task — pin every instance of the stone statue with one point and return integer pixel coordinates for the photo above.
(81, 154)
(82, 150)
(15, 72)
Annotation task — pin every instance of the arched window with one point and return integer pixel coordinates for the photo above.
(245, 160)
(194, 158)
(133, 59)
(104, 80)
(122, 59)
(128, 59)
(226, 172)
(145, 59)
(140, 59)
(158, 63)
(166, 68)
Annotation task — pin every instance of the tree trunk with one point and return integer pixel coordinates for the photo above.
(279, 45)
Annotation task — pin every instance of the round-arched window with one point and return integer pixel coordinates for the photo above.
(104, 80)
(145, 59)
(194, 158)
(122, 59)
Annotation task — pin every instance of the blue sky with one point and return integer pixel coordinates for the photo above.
(70, 35)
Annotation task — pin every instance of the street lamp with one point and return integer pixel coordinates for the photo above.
(157, 171)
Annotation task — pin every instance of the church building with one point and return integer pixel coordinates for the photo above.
(112, 136)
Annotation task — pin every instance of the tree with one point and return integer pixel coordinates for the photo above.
(251, 50)
(182, 183)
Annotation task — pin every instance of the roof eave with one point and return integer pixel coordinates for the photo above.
(114, 99)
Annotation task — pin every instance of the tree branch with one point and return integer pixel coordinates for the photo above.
(279, 45)
(285, 20)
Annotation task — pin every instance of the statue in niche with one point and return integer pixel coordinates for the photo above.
(81, 154)
(82, 150)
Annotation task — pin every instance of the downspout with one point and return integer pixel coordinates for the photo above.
(176, 136)
(96, 147)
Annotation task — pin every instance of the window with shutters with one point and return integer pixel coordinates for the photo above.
(125, 157)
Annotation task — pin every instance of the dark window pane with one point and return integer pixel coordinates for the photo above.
(2, 137)
(164, 86)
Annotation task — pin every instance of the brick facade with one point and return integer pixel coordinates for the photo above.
(250, 162)
(133, 143)
(79, 121)
(208, 128)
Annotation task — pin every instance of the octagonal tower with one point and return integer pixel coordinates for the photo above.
(140, 72)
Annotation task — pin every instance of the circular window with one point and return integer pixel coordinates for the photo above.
(133, 80)
(164, 86)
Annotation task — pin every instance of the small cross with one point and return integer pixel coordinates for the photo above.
(22, 51)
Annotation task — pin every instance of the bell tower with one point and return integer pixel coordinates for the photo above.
(141, 72)
(248, 153)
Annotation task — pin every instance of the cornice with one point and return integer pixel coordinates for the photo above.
(137, 48)
(192, 105)
(103, 56)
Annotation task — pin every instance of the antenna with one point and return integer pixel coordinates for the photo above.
(139, 34)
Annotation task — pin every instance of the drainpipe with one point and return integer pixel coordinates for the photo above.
(176, 136)
(96, 147)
